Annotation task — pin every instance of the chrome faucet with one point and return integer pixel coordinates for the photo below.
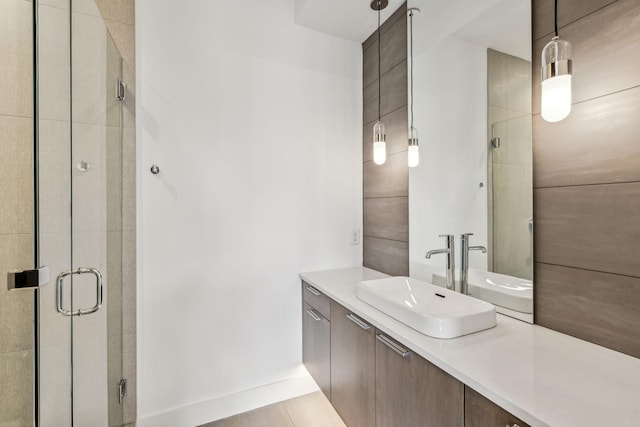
(464, 267)
(450, 251)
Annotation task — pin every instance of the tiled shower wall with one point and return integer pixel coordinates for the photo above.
(386, 187)
(511, 198)
(16, 211)
(587, 177)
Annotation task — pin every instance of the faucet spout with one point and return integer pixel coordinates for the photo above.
(450, 252)
(436, 252)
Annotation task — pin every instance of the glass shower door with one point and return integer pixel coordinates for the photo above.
(80, 140)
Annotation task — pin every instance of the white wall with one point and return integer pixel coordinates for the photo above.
(444, 190)
(256, 126)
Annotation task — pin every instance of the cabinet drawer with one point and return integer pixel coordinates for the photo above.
(316, 299)
(481, 412)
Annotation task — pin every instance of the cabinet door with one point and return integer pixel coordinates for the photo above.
(316, 347)
(412, 392)
(352, 368)
(481, 412)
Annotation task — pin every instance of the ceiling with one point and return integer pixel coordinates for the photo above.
(497, 24)
(347, 19)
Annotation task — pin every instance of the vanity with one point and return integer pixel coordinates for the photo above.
(376, 371)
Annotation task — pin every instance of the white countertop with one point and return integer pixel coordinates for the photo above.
(541, 376)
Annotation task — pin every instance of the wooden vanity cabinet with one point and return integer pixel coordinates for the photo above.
(372, 380)
(316, 337)
(353, 368)
(412, 392)
(481, 412)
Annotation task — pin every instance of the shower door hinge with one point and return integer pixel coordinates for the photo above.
(121, 90)
(495, 142)
(122, 389)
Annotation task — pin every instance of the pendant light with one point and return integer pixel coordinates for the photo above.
(413, 152)
(555, 102)
(379, 131)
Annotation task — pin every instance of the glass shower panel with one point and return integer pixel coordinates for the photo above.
(511, 185)
(97, 218)
(17, 332)
(81, 214)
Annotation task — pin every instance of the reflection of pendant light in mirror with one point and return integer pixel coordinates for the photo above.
(379, 137)
(413, 152)
(555, 104)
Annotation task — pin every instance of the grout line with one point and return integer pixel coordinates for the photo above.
(16, 116)
(389, 155)
(387, 114)
(385, 197)
(574, 21)
(384, 238)
(11, 353)
(585, 269)
(385, 73)
(600, 96)
(607, 94)
(586, 185)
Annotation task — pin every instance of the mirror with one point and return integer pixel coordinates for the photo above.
(472, 108)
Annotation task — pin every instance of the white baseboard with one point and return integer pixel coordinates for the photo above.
(231, 404)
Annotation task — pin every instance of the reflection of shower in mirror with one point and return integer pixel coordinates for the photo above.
(479, 112)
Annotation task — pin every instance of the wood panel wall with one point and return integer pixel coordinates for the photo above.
(386, 187)
(587, 177)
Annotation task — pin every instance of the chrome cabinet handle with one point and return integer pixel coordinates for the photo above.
(393, 345)
(358, 322)
(80, 312)
(314, 291)
(313, 315)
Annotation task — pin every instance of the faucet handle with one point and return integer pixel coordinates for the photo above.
(450, 238)
(464, 238)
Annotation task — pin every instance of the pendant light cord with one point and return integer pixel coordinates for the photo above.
(411, 58)
(555, 16)
(379, 91)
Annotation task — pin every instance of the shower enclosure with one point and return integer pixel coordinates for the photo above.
(63, 223)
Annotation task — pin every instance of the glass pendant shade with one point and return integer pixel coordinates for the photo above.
(414, 149)
(556, 80)
(379, 144)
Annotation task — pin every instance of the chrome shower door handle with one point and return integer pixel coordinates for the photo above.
(99, 292)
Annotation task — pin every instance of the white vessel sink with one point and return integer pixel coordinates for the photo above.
(506, 291)
(429, 309)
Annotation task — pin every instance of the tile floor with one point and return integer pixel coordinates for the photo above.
(310, 410)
